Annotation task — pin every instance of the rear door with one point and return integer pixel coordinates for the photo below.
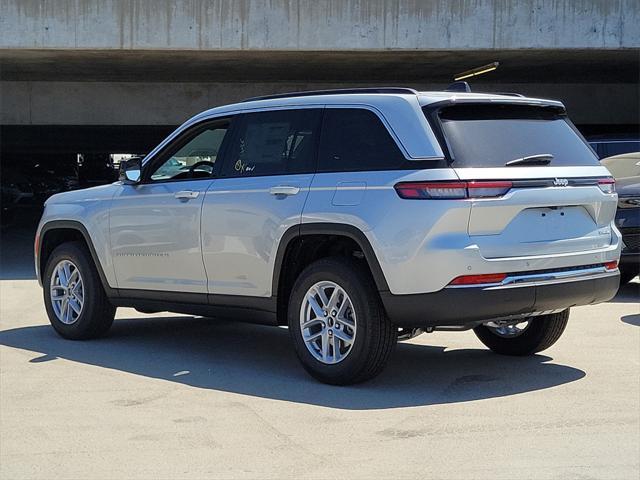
(262, 188)
(551, 195)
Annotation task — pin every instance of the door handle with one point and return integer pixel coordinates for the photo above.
(284, 190)
(186, 194)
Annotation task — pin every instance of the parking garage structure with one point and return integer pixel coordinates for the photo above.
(87, 82)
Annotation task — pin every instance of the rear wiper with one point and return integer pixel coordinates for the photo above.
(540, 159)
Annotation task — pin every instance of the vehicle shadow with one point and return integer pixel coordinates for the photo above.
(631, 319)
(259, 361)
(629, 293)
(16, 252)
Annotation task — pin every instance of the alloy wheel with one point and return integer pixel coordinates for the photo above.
(328, 322)
(67, 292)
(511, 330)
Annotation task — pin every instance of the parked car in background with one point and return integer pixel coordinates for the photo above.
(622, 166)
(34, 180)
(626, 170)
(17, 191)
(610, 146)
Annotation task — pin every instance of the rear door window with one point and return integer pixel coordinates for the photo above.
(492, 135)
(273, 143)
(355, 139)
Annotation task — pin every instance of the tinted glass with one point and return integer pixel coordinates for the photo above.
(357, 140)
(274, 143)
(195, 159)
(492, 135)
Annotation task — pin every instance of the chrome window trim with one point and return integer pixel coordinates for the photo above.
(209, 116)
(426, 149)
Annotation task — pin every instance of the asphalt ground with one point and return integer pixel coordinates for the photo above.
(171, 397)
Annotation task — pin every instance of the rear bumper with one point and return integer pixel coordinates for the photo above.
(471, 305)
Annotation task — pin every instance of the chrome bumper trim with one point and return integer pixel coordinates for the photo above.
(535, 279)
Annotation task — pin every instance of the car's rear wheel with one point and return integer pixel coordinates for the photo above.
(338, 325)
(73, 295)
(530, 336)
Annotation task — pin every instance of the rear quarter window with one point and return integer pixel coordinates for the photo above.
(355, 139)
(491, 135)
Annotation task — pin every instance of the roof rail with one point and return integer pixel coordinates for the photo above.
(508, 94)
(337, 91)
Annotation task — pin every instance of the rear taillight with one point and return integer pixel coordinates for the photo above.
(479, 279)
(421, 190)
(607, 185)
(488, 189)
(611, 265)
(452, 190)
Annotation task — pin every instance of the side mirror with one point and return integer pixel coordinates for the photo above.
(131, 171)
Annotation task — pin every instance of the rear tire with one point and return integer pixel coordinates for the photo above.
(628, 273)
(92, 313)
(358, 316)
(542, 332)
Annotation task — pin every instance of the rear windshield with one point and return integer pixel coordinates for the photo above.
(492, 135)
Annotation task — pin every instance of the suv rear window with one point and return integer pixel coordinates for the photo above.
(492, 135)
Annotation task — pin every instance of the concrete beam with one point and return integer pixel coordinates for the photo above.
(389, 66)
(319, 24)
(136, 103)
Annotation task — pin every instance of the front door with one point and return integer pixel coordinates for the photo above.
(155, 225)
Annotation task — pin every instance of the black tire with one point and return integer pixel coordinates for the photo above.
(542, 332)
(97, 313)
(628, 272)
(375, 338)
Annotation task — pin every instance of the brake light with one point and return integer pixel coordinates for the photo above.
(611, 265)
(422, 190)
(479, 279)
(607, 185)
(452, 190)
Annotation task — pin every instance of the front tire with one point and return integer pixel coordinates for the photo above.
(539, 334)
(75, 301)
(339, 328)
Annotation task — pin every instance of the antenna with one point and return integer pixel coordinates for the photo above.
(474, 72)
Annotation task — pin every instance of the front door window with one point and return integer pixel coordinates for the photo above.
(195, 159)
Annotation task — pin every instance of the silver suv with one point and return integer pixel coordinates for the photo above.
(354, 217)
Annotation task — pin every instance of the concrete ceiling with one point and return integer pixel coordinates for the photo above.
(394, 67)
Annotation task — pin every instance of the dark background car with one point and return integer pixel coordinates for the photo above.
(628, 222)
(609, 146)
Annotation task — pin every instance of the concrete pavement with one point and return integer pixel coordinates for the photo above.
(169, 396)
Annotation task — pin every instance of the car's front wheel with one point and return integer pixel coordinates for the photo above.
(339, 328)
(530, 336)
(75, 301)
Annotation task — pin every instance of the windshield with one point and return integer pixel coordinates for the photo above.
(491, 135)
